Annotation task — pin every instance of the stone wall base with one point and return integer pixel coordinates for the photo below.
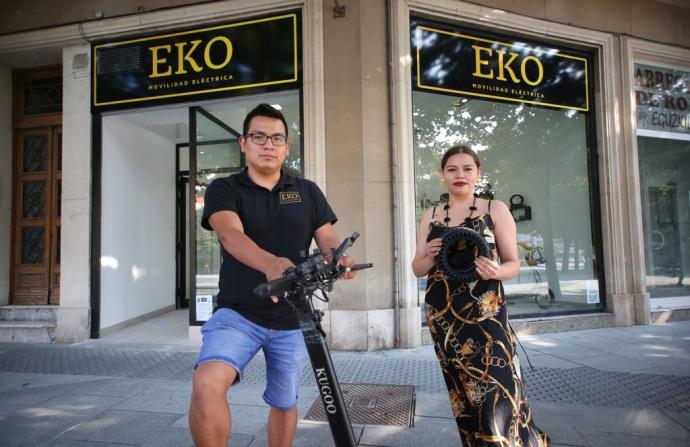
(73, 324)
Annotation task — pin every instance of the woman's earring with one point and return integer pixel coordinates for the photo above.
(443, 181)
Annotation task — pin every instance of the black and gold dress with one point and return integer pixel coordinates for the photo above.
(476, 349)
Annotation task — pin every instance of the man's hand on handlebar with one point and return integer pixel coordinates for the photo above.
(317, 272)
(276, 269)
(347, 261)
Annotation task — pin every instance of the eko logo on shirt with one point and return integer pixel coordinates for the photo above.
(289, 197)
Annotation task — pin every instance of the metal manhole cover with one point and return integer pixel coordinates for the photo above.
(372, 404)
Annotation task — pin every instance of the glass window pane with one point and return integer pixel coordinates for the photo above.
(288, 103)
(33, 199)
(33, 244)
(34, 153)
(218, 155)
(538, 153)
(183, 159)
(58, 242)
(58, 203)
(43, 96)
(59, 151)
(213, 161)
(665, 188)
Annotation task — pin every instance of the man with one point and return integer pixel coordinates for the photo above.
(264, 219)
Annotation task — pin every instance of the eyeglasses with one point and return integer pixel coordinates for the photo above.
(260, 138)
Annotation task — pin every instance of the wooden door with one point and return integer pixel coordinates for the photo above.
(36, 238)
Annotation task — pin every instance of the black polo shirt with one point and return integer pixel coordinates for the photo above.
(281, 221)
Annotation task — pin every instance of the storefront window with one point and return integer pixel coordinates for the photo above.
(170, 125)
(663, 142)
(533, 156)
(146, 254)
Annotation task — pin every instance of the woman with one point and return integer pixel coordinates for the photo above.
(468, 320)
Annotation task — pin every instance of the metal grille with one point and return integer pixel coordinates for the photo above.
(373, 404)
(34, 153)
(113, 60)
(42, 96)
(33, 245)
(33, 199)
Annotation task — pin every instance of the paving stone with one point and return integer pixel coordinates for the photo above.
(679, 368)
(182, 422)
(246, 395)
(631, 421)
(110, 386)
(128, 427)
(310, 434)
(157, 401)
(34, 430)
(10, 381)
(560, 430)
(249, 419)
(607, 439)
(433, 405)
(540, 360)
(173, 437)
(74, 404)
(681, 418)
(240, 440)
(426, 432)
(29, 396)
(613, 363)
(74, 443)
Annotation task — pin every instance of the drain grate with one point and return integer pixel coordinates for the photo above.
(373, 404)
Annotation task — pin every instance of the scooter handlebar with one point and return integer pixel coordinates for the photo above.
(275, 287)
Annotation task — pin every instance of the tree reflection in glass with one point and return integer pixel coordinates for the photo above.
(537, 152)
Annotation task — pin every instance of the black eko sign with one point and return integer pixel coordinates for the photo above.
(460, 63)
(249, 57)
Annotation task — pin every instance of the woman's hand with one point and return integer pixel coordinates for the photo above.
(487, 268)
(432, 249)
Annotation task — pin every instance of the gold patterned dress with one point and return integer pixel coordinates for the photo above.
(476, 349)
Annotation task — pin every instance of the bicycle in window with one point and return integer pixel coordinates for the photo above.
(543, 297)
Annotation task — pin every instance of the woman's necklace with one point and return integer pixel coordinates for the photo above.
(473, 208)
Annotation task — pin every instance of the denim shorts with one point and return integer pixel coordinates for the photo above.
(230, 338)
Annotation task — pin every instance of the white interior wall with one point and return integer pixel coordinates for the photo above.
(5, 182)
(137, 226)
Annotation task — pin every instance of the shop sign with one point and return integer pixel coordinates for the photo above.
(238, 58)
(662, 98)
(463, 63)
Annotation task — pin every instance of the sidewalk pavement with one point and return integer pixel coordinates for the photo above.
(600, 387)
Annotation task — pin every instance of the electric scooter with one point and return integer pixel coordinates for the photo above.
(298, 287)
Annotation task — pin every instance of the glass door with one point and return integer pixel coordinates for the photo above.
(665, 187)
(214, 151)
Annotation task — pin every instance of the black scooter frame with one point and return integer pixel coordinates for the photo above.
(324, 374)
